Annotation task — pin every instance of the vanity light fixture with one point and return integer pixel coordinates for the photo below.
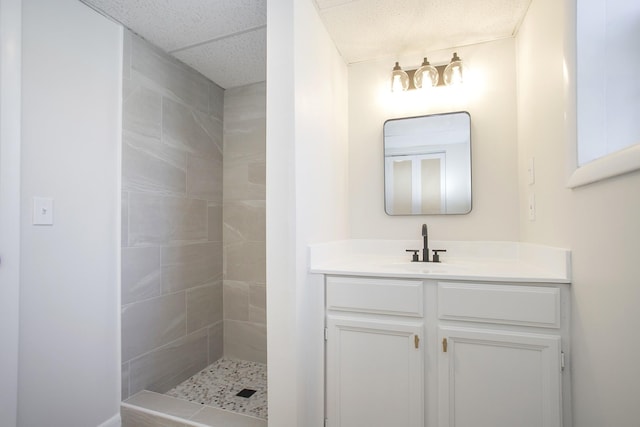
(428, 75)
(454, 73)
(399, 79)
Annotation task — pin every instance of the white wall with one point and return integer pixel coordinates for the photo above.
(306, 201)
(280, 216)
(10, 54)
(541, 124)
(599, 222)
(69, 372)
(489, 95)
(321, 190)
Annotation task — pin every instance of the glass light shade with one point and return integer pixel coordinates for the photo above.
(399, 79)
(425, 76)
(454, 73)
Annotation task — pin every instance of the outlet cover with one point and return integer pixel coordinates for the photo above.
(42, 211)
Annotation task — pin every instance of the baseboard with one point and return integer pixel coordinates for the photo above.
(112, 422)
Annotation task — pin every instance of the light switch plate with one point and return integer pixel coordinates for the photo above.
(42, 211)
(531, 170)
(532, 207)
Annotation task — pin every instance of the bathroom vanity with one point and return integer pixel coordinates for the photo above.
(480, 339)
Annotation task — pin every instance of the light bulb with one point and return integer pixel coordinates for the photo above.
(425, 76)
(399, 79)
(454, 73)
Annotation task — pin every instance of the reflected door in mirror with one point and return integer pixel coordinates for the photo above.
(428, 165)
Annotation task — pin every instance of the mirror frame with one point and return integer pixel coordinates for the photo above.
(384, 158)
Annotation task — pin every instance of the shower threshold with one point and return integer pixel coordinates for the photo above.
(212, 397)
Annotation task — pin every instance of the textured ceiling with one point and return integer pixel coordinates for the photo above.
(226, 39)
(370, 29)
(223, 39)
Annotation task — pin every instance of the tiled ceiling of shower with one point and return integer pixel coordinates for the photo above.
(226, 39)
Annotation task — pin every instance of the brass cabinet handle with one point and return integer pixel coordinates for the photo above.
(416, 340)
(444, 345)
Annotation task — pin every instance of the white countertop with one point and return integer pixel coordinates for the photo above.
(475, 260)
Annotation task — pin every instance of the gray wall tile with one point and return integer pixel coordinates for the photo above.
(167, 76)
(214, 228)
(244, 221)
(126, 54)
(216, 101)
(152, 323)
(191, 265)
(245, 341)
(246, 142)
(216, 341)
(204, 306)
(141, 112)
(128, 87)
(242, 183)
(258, 303)
(124, 383)
(204, 178)
(185, 219)
(257, 174)
(244, 103)
(147, 219)
(245, 124)
(245, 262)
(191, 130)
(152, 167)
(214, 128)
(140, 274)
(172, 264)
(168, 366)
(156, 220)
(236, 300)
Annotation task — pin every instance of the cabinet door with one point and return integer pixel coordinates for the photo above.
(374, 373)
(491, 378)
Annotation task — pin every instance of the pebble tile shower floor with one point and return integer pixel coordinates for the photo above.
(219, 383)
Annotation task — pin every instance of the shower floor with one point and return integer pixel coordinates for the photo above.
(219, 383)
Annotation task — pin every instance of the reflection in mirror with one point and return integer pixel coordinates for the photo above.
(427, 164)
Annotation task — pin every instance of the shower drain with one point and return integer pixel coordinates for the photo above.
(246, 392)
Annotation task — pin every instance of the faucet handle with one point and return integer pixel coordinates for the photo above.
(414, 257)
(436, 256)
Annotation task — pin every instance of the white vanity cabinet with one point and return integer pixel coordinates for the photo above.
(412, 353)
(500, 355)
(374, 352)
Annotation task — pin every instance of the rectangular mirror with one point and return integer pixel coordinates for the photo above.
(427, 164)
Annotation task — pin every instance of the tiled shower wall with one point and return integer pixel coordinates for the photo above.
(172, 259)
(245, 332)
